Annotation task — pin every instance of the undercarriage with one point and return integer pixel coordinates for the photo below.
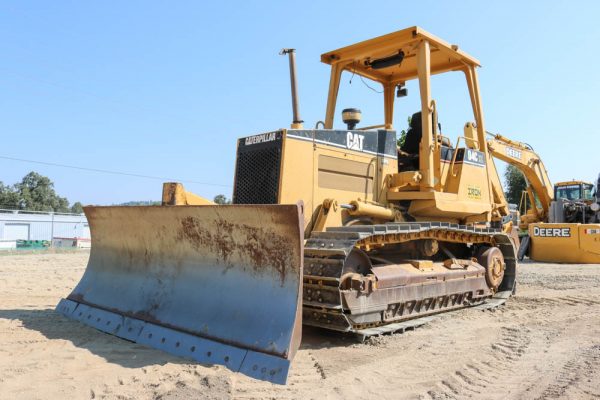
(362, 277)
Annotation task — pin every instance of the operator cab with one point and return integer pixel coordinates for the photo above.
(574, 191)
(392, 60)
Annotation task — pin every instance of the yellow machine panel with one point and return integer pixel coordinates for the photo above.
(565, 243)
(340, 165)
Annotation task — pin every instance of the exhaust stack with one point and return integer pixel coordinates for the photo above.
(296, 122)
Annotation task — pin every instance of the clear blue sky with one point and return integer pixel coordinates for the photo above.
(165, 88)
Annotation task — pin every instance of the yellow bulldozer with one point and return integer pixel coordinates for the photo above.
(333, 227)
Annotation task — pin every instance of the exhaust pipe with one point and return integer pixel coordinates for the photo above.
(296, 122)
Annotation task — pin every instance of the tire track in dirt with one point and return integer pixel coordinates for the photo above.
(573, 379)
(544, 343)
(479, 376)
(507, 359)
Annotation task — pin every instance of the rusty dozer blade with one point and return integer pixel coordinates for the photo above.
(217, 284)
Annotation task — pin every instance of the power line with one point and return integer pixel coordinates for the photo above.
(105, 171)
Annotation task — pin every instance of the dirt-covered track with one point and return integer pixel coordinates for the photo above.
(544, 343)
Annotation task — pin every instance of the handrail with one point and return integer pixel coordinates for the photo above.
(456, 152)
(434, 128)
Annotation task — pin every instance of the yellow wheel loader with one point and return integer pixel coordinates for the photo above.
(570, 232)
(562, 222)
(334, 227)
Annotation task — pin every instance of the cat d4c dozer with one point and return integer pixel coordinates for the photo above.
(333, 227)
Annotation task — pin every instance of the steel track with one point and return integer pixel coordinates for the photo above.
(326, 252)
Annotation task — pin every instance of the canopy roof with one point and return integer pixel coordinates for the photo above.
(573, 182)
(357, 58)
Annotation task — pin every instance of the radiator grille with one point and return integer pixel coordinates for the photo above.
(257, 170)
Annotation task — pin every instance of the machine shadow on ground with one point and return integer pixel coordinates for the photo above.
(316, 338)
(113, 349)
(132, 355)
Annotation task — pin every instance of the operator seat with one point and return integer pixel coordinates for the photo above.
(413, 135)
(408, 156)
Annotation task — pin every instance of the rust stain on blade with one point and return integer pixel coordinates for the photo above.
(194, 231)
(262, 247)
(229, 274)
(267, 250)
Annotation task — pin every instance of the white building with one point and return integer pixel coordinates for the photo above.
(31, 225)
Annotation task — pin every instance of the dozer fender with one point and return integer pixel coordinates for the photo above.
(217, 284)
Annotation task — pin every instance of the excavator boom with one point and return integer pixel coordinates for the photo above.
(530, 164)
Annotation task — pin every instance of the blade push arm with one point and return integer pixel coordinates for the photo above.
(174, 194)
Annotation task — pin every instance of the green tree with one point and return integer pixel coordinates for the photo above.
(221, 199)
(77, 208)
(402, 136)
(9, 198)
(36, 193)
(515, 183)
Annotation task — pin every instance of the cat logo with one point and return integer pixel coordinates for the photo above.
(474, 192)
(354, 141)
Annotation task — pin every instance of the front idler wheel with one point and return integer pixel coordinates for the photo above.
(493, 262)
(356, 267)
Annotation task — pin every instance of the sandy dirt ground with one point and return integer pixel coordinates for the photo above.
(544, 343)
